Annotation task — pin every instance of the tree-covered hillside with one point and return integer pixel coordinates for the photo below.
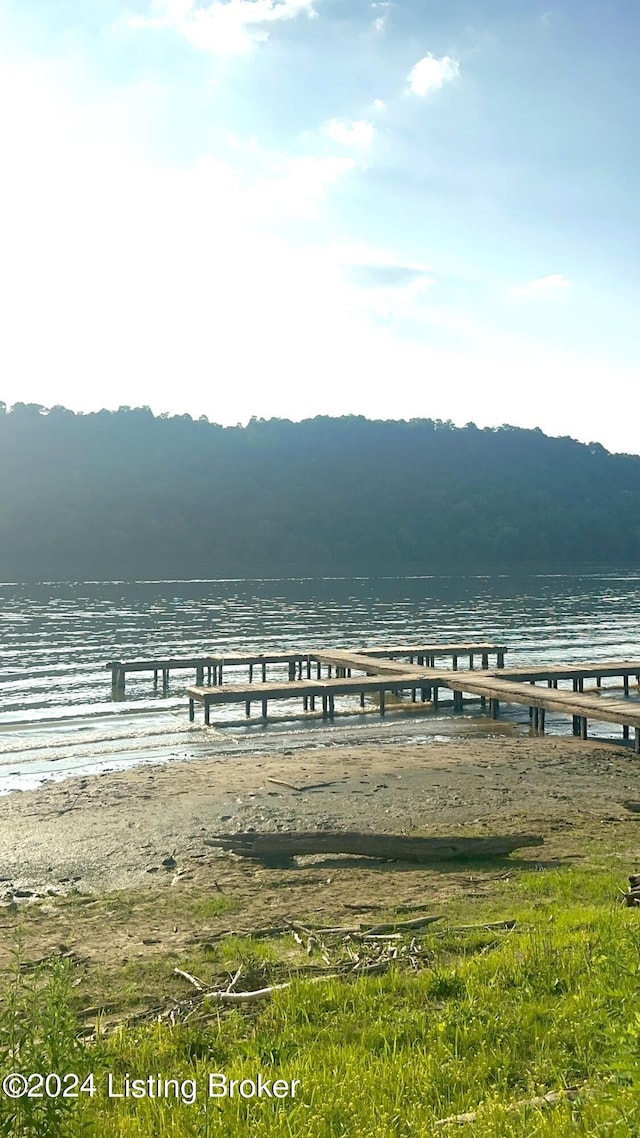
(125, 494)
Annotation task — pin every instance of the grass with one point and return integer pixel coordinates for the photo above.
(495, 1018)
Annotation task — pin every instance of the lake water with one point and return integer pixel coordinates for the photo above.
(58, 717)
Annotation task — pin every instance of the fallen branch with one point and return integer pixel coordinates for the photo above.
(490, 925)
(227, 997)
(390, 847)
(552, 1098)
(301, 789)
(198, 985)
(400, 926)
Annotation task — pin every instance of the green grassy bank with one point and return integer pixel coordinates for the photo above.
(478, 1020)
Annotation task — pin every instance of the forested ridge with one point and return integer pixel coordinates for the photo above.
(127, 494)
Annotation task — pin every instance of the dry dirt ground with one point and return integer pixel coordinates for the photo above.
(82, 867)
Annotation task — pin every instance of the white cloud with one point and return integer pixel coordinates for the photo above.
(121, 279)
(553, 285)
(294, 187)
(379, 23)
(429, 74)
(357, 135)
(224, 28)
(125, 281)
(379, 105)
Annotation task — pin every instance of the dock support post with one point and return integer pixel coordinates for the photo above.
(576, 724)
(305, 703)
(264, 708)
(625, 730)
(312, 702)
(191, 711)
(583, 726)
(155, 678)
(541, 714)
(332, 707)
(625, 683)
(308, 667)
(165, 678)
(324, 707)
(250, 673)
(362, 698)
(199, 675)
(471, 661)
(220, 672)
(382, 703)
(485, 660)
(457, 701)
(637, 741)
(207, 711)
(454, 663)
(247, 708)
(435, 694)
(501, 659)
(483, 702)
(494, 707)
(264, 674)
(319, 670)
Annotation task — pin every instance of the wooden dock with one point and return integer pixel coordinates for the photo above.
(427, 654)
(308, 691)
(580, 705)
(299, 663)
(424, 671)
(211, 666)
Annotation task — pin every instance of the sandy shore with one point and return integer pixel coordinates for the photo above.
(114, 830)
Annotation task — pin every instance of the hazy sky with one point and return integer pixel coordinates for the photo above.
(397, 208)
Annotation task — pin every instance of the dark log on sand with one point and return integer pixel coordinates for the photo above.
(391, 847)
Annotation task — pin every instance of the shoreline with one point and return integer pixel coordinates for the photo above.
(100, 832)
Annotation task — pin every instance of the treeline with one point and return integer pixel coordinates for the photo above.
(127, 494)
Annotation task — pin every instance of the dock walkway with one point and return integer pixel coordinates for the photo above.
(580, 705)
(308, 691)
(328, 673)
(298, 662)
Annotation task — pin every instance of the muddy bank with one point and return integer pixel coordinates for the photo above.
(115, 830)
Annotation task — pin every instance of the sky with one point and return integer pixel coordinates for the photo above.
(397, 208)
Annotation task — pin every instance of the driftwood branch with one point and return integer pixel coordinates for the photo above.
(227, 997)
(552, 1098)
(391, 847)
(301, 789)
(198, 985)
(403, 926)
